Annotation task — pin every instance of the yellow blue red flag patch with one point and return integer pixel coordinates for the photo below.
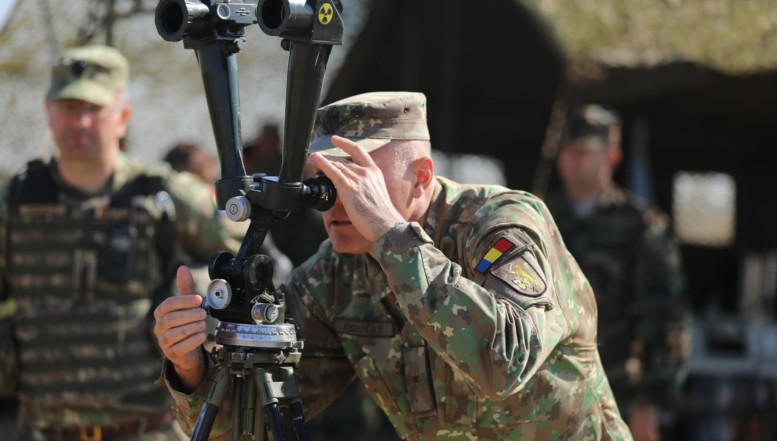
(499, 249)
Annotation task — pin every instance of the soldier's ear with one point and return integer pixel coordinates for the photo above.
(423, 170)
(125, 114)
(615, 155)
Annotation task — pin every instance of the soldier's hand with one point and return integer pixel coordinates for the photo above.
(361, 188)
(180, 330)
(643, 423)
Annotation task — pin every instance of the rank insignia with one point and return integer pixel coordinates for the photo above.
(523, 274)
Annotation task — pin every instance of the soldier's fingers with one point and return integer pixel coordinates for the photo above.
(184, 280)
(174, 336)
(180, 318)
(332, 170)
(185, 346)
(179, 303)
(357, 152)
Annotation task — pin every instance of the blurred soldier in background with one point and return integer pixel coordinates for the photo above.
(626, 250)
(87, 242)
(189, 157)
(263, 154)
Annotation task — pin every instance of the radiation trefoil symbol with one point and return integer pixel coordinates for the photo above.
(325, 13)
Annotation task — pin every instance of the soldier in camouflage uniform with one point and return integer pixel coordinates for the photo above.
(87, 242)
(457, 306)
(625, 250)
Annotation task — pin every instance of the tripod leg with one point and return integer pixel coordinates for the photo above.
(275, 421)
(266, 388)
(287, 374)
(218, 391)
(248, 408)
(269, 391)
(273, 392)
(237, 401)
(299, 421)
(260, 432)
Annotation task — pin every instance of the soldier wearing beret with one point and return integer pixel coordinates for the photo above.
(87, 245)
(626, 250)
(457, 306)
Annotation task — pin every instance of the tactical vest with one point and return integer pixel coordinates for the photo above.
(84, 275)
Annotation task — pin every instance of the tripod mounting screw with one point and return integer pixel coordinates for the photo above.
(238, 208)
(219, 294)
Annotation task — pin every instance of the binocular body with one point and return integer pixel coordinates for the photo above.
(215, 30)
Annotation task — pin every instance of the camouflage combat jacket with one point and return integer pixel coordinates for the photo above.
(80, 273)
(626, 251)
(452, 348)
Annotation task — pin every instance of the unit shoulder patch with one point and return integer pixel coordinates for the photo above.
(523, 273)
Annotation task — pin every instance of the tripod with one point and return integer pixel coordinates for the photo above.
(259, 346)
(258, 374)
(255, 363)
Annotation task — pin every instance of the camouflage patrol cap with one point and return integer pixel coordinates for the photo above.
(89, 73)
(592, 120)
(371, 120)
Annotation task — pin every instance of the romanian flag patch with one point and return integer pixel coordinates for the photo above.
(501, 247)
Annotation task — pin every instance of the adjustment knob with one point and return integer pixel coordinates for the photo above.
(238, 208)
(264, 312)
(219, 294)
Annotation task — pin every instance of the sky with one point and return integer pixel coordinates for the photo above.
(6, 7)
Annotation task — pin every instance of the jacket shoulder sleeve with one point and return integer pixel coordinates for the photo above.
(186, 407)
(508, 305)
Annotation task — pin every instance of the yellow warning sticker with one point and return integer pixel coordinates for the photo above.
(325, 13)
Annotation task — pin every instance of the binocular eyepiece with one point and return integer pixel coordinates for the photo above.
(202, 20)
(290, 18)
(279, 16)
(177, 19)
(318, 193)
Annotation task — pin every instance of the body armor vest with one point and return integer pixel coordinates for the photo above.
(84, 275)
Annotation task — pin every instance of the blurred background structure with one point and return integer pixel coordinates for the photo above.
(695, 82)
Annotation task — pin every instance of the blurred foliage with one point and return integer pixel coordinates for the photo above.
(733, 36)
(83, 22)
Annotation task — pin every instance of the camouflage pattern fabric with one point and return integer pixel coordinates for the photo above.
(371, 120)
(626, 251)
(449, 352)
(172, 433)
(199, 233)
(94, 74)
(9, 360)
